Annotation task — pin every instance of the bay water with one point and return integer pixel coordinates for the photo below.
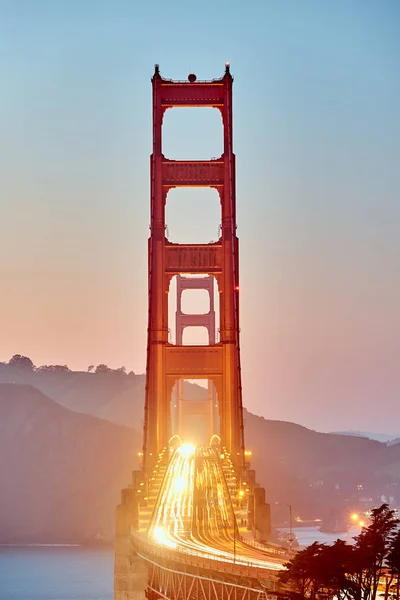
(56, 573)
(76, 573)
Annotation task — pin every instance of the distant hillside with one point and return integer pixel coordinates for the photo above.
(318, 472)
(113, 396)
(127, 408)
(379, 437)
(61, 472)
(395, 441)
(80, 391)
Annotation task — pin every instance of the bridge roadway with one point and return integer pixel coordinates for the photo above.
(194, 522)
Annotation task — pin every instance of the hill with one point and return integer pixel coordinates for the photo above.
(395, 441)
(320, 473)
(379, 437)
(61, 472)
(114, 396)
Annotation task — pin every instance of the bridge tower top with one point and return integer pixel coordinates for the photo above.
(192, 92)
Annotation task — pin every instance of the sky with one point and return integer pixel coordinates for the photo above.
(317, 144)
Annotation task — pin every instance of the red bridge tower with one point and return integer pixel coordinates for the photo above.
(218, 362)
(169, 364)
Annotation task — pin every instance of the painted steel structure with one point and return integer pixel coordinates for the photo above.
(217, 362)
(165, 582)
(204, 408)
(163, 542)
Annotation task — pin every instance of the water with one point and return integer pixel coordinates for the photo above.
(56, 573)
(75, 573)
(308, 535)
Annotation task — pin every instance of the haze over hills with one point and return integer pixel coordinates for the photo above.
(111, 395)
(318, 472)
(395, 441)
(62, 470)
(379, 437)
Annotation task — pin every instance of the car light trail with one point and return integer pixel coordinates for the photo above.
(194, 512)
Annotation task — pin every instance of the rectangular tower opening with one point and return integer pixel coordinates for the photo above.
(195, 302)
(195, 336)
(192, 134)
(195, 389)
(193, 215)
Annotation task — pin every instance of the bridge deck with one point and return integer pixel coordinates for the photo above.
(193, 524)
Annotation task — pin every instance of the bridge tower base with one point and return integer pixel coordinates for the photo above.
(130, 570)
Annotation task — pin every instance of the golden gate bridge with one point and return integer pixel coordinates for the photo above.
(193, 523)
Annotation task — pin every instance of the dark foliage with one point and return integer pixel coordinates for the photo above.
(22, 362)
(356, 572)
(53, 369)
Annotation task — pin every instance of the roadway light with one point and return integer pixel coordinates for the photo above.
(354, 517)
(187, 449)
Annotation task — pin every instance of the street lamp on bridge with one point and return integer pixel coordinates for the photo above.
(291, 538)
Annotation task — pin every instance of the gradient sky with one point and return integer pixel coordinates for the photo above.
(317, 140)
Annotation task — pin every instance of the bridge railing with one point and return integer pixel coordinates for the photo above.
(203, 559)
(275, 550)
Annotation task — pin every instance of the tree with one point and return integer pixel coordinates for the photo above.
(334, 563)
(302, 572)
(53, 369)
(22, 362)
(393, 564)
(320, 569)
(350, 572)
(120, 371)
(103, 369)
(371, 552)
